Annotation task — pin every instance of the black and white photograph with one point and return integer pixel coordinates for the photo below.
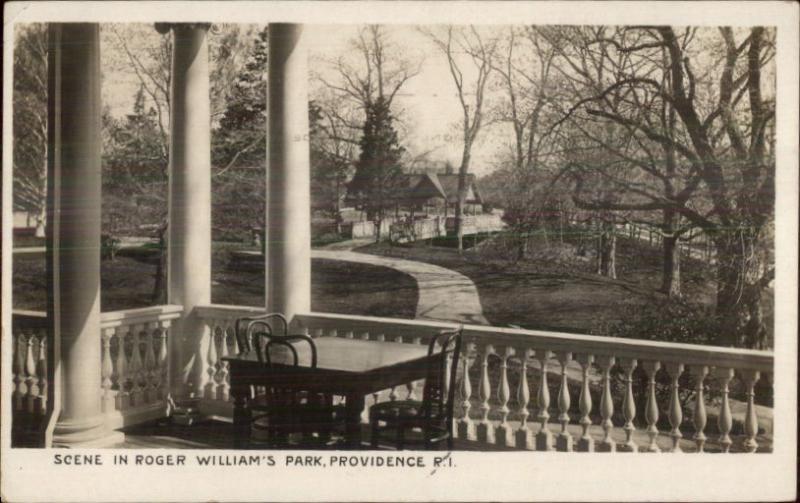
(399, 251)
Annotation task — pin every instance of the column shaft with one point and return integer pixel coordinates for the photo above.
(189, 238)
(73, 227)
(288, 250)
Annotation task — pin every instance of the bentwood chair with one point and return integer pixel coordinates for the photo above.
(268, 322)
(288, 410)
(428, 422)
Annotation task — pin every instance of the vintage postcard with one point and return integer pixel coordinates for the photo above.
(399, 251)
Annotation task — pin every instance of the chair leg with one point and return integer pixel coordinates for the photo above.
(401, 437)
(374, 433)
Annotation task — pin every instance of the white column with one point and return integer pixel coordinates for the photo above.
(288, 236)
(189, 237)
(73, 232)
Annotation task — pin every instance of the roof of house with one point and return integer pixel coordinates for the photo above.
(429, 185)
(450, 186)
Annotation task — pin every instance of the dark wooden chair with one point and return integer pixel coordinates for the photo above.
(267, 323)
(428, 422)
(292, 417)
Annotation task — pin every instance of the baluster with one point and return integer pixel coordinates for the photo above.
(30, 368)
(41, 368)
(750, 378)
(523, 397)
(107, 370)
(410, 390)
(237, 350)
(503, 430)
(699, 372)
(544, 438)
(564, 439)
(628, 405)
(466, 428)
(123, 397)
(212, 360)
(19, 370)
(136, 366)
(484, 431)
(606, 405)
(223, 387)
(651, 413)
(163, 365)
(448, 365)
(393, 392)
(675, 413)
(725, 420)
(150, 361)
(586, 442)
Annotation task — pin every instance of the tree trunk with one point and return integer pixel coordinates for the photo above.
(159, 296)
(462, 195)
(671, 266)
(522, 248)
(338, 208)
(671, 272)
(607, 251)
(741, 280)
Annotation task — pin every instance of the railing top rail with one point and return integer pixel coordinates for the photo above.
(376, 320)
(623, 348)
(108, 319)
(688, 354)
(29, 319)
(29, 314)
(226, 311)
(140, 315)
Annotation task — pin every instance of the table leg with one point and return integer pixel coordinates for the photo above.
(241, 415)
(354, 405)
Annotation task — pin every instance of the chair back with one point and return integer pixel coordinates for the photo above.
(437, 406)
(266, 341)
(243, 331)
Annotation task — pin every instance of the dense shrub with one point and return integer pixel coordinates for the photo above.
(680, 322)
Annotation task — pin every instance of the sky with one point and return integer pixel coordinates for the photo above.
(428, 104)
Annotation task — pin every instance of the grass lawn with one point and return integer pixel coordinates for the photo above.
(543, 294)
(337, 287)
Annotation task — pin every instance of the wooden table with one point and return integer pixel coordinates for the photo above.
(349, 367)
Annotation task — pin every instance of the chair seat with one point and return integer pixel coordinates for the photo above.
(396, 410)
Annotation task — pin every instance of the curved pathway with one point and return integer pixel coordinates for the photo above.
(444, 294)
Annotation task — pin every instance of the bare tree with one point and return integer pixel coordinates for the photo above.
(30, 121)
(717, 128)
(371, 74)
(456, 45)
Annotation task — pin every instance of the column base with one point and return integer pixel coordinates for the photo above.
(85, 432)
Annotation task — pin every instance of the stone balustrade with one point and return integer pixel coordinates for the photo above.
(29, 364)
(596, 394)
(134, 363)
(519, 389)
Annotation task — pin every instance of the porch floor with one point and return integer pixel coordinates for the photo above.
(218, 434)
